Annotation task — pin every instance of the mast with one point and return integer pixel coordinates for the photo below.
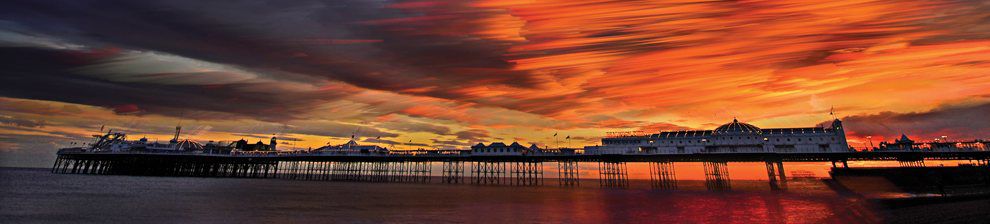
(175, 139)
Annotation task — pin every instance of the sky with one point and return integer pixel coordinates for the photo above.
(449, 74)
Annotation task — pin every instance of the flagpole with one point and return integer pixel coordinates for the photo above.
(831, 111)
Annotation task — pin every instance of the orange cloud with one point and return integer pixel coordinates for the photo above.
(494, 69)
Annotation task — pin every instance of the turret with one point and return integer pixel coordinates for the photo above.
(837, 124)
(840, 133)
(273, 143)
(241, 144)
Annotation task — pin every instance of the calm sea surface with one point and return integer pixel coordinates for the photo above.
(34, 195)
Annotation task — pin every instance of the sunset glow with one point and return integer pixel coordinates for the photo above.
(449, 74)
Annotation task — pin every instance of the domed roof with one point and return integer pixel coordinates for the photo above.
(188, 145)
(737, 127)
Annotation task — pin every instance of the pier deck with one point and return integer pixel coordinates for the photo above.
(726, 157)
(476, 169)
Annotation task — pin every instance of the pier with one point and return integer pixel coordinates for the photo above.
(513, 170)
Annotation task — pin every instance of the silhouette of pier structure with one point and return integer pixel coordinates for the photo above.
(568, 173)
(613, 174)
(612, 170)
(717, 175)
(776, 175)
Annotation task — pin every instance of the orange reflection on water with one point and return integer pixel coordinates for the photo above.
(643, 206)
(742, 170)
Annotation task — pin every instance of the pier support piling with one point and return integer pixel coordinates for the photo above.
(452, 172)
(717, 175)
(775, 173)
(912, 163)
(662, 175)
(487, 172)
(568, 173)
(529, 173)
(613, 174)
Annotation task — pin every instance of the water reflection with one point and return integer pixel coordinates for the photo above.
(89, 198)
(716, 175)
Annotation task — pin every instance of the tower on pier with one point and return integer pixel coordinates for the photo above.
(272, 144)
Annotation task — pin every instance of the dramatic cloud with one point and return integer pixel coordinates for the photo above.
(38, 74)
(392, 144)
(8, 120)
(960, 122)
(461, 72)
(475, 135)
(413, 126)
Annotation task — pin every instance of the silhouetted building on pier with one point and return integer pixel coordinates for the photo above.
(903, 143)
(498, 148)
(733, 137)
(907, 144)
(240, 145)
(352, 147)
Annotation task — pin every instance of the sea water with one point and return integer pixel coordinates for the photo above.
(35, 195)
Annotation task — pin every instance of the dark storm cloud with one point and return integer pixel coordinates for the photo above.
(968, 121)
(32, 107)
(46, 74)
(337, 129)
(334, 40)
(473, 135)
(257, 136)
(415, 127)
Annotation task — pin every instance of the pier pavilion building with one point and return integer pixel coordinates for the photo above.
(732, 137)
(501, 149)
(352, 147)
